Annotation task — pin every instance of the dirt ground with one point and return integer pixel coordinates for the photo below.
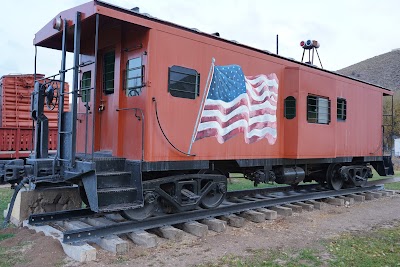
(302, 230)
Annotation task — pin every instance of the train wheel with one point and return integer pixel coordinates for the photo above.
(217, 193)
(333, 177)
(214, 197)
(150, 204)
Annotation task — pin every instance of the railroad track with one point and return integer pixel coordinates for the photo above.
(237, 202)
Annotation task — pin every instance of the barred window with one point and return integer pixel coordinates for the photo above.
(290, 107)
(86, 86)
(108, 72)
(183, 82)
(134, 77)
(341, 109)
(318, 109)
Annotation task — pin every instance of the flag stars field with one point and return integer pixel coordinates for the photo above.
(237, 103)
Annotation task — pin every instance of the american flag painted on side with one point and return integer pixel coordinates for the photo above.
(239, 104)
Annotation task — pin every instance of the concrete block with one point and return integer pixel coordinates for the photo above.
(305, 206)
(284, 211)
(169, 232)
(368, 196)
(390, 192)
(143, 239)
(194, 228)
(377, 194)
(334, 201)
(384, 193)
(215, 225)
(317, 204)
(81, 252)
(253, 216)
(357, 198)
(234, 220)
(115, 217)
(99, 221)
(295, 208)
(37, 201)
(348, 201)
(110, 243)
(269, 214)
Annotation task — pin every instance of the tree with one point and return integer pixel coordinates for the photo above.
(389, 131)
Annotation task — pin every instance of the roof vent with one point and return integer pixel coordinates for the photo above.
(215, 34)
(135, 9)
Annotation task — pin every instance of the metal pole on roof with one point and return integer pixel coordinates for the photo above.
(277, 44)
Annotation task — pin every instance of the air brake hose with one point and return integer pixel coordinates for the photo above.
(16, 190)
(162, 131)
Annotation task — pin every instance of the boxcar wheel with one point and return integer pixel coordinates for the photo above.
(150, 203)
(217, 193)
(333, 177)
(214, 197)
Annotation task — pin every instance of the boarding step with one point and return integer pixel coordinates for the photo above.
(115, 198)
(109, 164)
(113, 179)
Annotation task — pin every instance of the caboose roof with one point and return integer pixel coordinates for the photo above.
(51, 38)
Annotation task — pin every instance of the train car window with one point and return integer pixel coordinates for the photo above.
(290, 107)
(108, 72)
(134, 77)
(341, 109)
(318, 109)
(85, 86)
(183, 82)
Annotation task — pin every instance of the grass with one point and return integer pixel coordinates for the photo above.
(242, 184)
(237, 182)
(5, 236)
(13, 256)
(379, 248)
(271, 258)
(5, 197)
(369, 249)
(391, 186)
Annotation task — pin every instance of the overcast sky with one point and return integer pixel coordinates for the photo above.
(349, 31)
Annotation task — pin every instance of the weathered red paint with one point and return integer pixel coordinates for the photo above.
(166, 45)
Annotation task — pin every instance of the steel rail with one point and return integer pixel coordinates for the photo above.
(73, 236)
(36, 219)
(267, 190)
(41, 218)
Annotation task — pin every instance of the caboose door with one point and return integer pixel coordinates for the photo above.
(107, 99)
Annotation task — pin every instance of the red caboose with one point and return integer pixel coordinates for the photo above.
(178, 110)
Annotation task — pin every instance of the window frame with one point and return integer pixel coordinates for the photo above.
(342, 115)
(288, 115)
(316, 119)
(108, 90)
(180, 70)
(86, 90)
(128, 89)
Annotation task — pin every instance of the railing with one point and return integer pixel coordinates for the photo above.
(16, 142)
